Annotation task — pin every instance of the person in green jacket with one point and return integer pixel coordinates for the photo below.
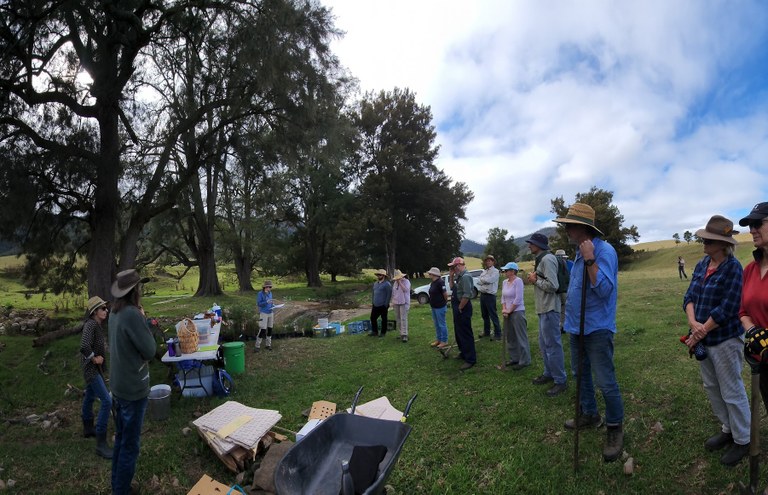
(131, 346)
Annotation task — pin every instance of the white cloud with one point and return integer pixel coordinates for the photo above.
(534, 100)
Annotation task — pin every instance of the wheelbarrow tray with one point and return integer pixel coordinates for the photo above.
(313, 465)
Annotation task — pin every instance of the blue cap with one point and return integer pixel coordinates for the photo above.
(510, 266)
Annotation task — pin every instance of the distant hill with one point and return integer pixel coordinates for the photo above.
(471, 247)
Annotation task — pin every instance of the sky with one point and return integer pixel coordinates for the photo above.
(664, 103)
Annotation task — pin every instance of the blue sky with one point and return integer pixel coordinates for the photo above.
(663, 103)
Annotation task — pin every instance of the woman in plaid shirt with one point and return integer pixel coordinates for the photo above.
(712, 307)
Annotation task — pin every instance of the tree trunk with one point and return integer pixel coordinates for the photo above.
(208, 284)
(390, 245)
(103, 221)
(243, 271)
(312, 260)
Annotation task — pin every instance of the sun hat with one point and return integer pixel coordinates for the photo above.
(489, 257)
(93, 304)
(540, 240)
(759, 212)
(434, 271)
(126, 280)
(456, 261)
(560, 252)
(398, 275)
(381, 272)
(718, 228)
(267, 283)
(580, 213)
(510, 266)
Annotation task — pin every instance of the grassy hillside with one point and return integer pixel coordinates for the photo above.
(483, 431)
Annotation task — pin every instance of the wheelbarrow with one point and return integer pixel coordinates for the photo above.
(319, 462)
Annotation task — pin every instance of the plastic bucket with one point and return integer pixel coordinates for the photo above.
(160, 402)
(322, 322)
(234, 357)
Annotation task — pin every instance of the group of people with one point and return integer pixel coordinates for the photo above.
(724, 303)
(594, 273)
(398, 295)
(131, 346)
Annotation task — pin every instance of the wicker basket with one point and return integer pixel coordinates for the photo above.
(187, 332)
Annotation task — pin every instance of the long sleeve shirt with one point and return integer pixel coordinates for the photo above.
(382, 293)
(600, 309)
(512, 295)
(131, 346)
(264, 300)
(401, 292)
(545, 294)
(717, 296)
(488, 282)
(754, 295)
(92, 344)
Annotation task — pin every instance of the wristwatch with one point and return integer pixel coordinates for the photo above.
(589, 262)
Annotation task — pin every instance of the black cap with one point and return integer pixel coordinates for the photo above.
(759, 212)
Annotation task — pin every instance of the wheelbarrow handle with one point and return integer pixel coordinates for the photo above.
(354, 401)
(408, 407)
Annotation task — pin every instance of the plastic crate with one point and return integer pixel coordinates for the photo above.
(356, 327)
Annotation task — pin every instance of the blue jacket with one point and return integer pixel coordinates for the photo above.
(264, 301)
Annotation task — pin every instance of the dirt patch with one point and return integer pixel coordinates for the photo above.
(310, 309)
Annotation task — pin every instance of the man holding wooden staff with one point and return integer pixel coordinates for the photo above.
(597, 321)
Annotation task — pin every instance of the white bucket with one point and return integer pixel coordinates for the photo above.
(322, 322)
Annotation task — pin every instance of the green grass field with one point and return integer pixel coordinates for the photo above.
(483, 431)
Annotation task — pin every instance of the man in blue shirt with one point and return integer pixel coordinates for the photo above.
(601, 263)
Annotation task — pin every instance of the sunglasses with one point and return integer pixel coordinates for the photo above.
(708, 242)
(755, 224)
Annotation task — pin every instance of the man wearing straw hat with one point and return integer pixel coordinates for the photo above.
(382, 294)
(600, 287)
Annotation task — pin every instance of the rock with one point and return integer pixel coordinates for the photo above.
(45, 424)
(185, 431)
(2, 485)
(33, 418)
(629, 466)
(657, 427)
(11, 483)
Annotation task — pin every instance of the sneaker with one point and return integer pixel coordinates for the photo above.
(255, 349)
(584, 421)
(541, 380)
(435, 343)
(614, 443)
(557, 389)
(442, 345)
(717, 442)
(466, 366)
(404, 339)
(734, 454)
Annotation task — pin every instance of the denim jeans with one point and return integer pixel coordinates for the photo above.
(97, 388)
(598, 360)
(551, 346)
(489, 314)
(441, 327)
(129, 417)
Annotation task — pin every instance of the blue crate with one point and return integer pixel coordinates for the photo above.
(355, 327)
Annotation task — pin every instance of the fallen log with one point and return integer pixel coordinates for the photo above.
(57, 334)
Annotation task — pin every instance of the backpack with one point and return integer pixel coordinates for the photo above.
(563, 276)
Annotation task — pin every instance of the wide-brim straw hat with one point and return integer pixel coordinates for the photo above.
(489, 257)
(434, 271)
(381, 272)
(581, 214)
(93, 304)
(126, 280)
(398, 275)
(718, 228)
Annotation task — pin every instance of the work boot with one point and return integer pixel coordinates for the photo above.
(584, 421)
(614, 443)
(734, 454)
(88, 430)
(557, 389)
(102, 449)
(541, 380)
(269, 343)
(717, 442)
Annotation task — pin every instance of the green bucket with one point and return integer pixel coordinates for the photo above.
(234, 357)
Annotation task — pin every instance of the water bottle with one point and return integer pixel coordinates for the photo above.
(700, 351)
(347, 484)
(171, 352)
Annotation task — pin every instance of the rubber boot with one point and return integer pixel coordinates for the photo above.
(102, 449)
(269, 343)
(258, 344)
(88, 430)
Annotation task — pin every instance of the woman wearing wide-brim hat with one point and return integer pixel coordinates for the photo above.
(438, 302)
(93, 351)
(711, 304)
(401, 302)
(131, 346)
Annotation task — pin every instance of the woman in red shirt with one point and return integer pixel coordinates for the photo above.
(754, 295)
